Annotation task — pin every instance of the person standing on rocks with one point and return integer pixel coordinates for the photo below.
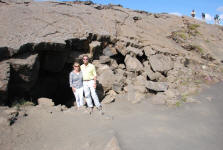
(203, 16)
(76, 83)
(193, 13)
(89, 83)
(216, 19)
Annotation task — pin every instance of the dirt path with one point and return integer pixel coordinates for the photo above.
(137, 127)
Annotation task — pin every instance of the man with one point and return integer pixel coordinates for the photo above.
(216, 19)
(89, 83)
(193, 13)
(203, 16)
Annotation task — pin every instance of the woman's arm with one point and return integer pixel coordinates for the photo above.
(71, 82)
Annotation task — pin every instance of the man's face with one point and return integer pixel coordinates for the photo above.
(85, 60)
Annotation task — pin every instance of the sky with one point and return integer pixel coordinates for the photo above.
(178, 7)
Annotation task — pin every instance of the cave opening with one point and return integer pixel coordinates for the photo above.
(48, 76)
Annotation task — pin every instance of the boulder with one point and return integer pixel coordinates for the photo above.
(140, 80)
(161, 63)
(130, 75)
(133, 64)
(157, 86)
(45, 102)
(94, 47)
(114, 64)
(4, 80)
(121, 47)
(106, 79)
(152, 75)
(117, 87)
(24, 73)
(120, 72)
(134, 50)
(109, 98)
(149, 51)
(100, 68)
(109, 51)
(104, 59)
(6, 52)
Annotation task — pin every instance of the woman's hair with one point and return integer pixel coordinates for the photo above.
(77, 64)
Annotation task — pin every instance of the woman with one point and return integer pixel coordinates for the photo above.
(76, 83)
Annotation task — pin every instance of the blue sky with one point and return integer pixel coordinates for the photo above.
(181, 7)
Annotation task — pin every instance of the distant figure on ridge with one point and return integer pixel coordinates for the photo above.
(193, 13)
(203, 16)
(216, 19)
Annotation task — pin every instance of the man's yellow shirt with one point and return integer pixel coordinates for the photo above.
(89, 71)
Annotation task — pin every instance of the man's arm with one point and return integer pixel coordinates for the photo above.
(95, 76)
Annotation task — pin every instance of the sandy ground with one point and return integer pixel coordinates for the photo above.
(194, 126)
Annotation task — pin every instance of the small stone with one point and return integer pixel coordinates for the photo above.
(210, 99)
(157, 86)
(108, 99)
(121, 66)
(204, 67)
(45, 102)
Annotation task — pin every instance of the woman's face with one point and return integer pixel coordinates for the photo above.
(76, 67)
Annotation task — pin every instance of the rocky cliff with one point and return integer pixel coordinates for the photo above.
(135, 52)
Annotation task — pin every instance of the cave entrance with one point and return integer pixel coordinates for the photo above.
(46, 74)
(43, 69)
(55, 66)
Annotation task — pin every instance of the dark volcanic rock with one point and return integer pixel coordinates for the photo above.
(6, 52)
(24, 73)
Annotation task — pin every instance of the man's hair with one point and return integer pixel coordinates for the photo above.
(85, 56)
